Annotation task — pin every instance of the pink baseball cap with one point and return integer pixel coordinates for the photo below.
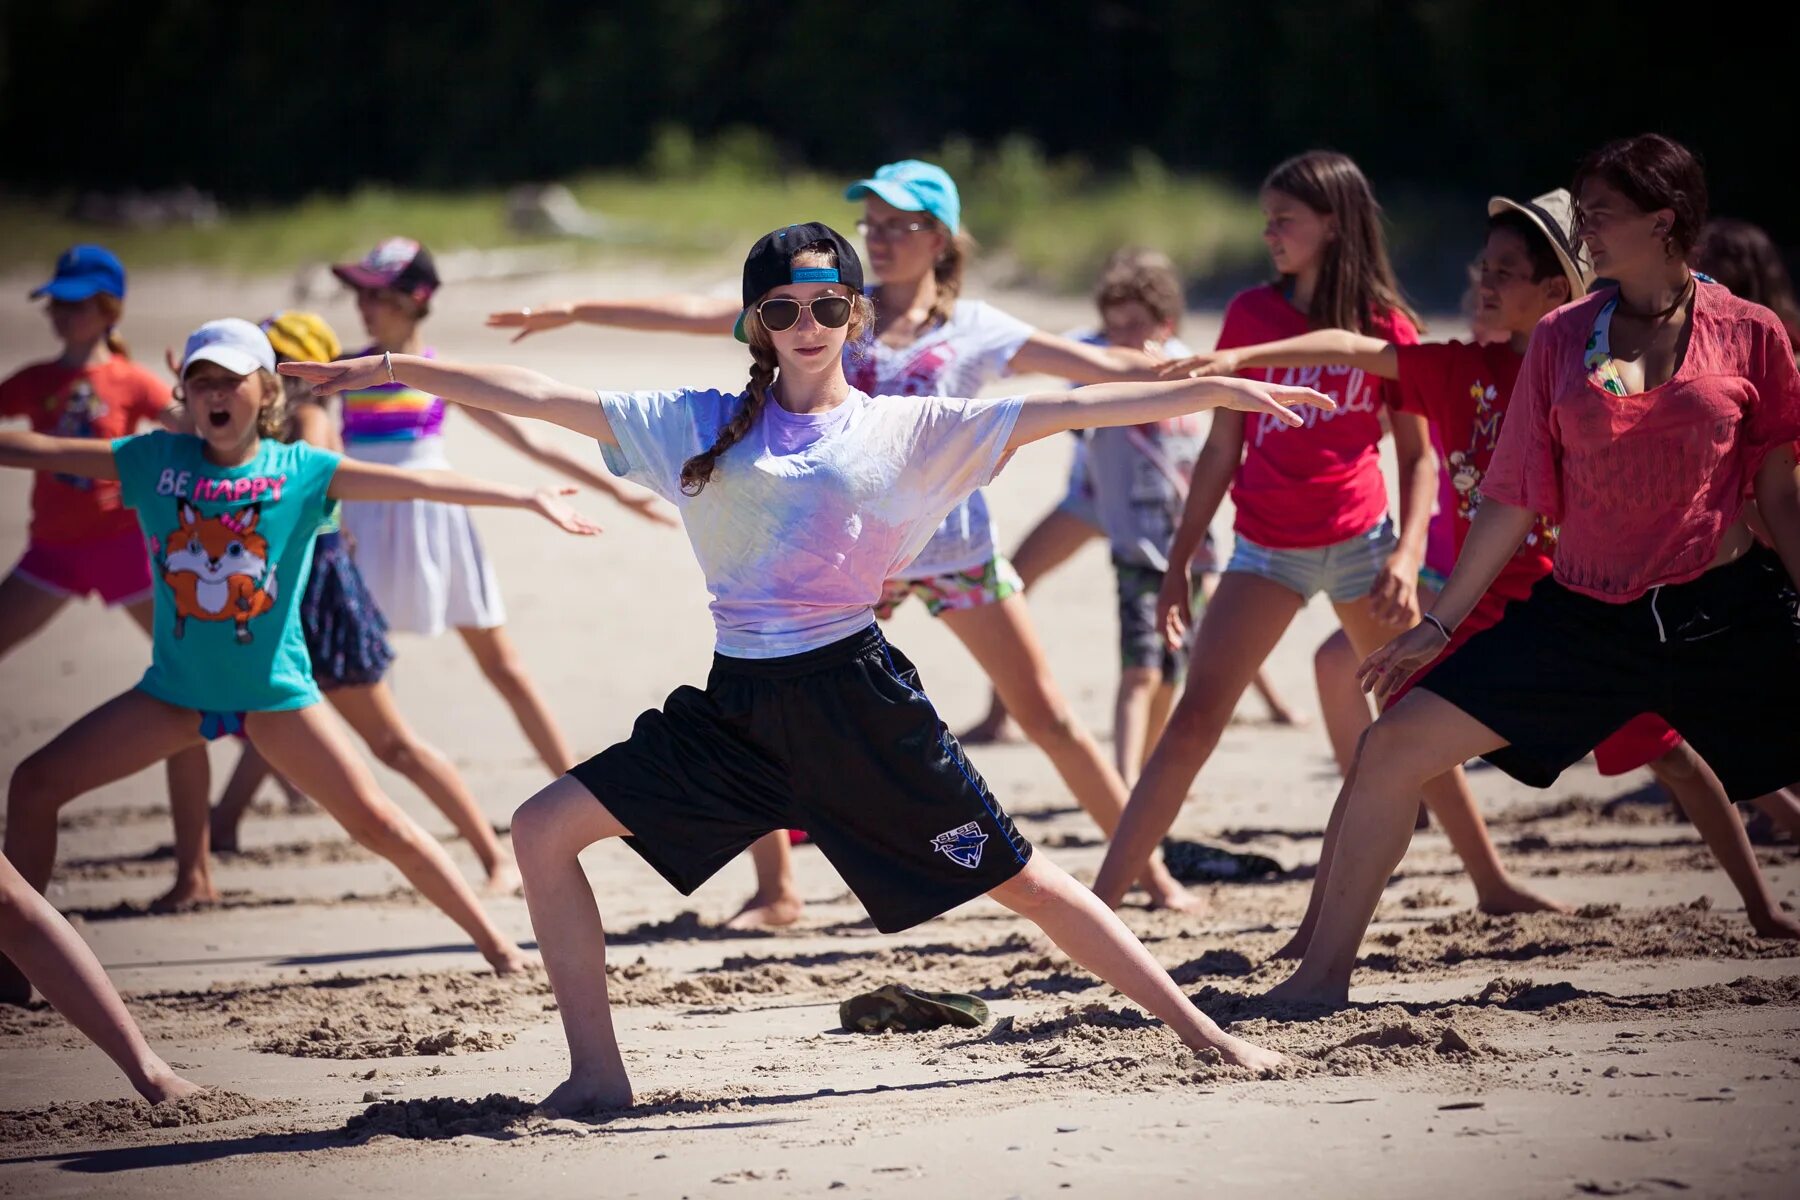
(399, 263)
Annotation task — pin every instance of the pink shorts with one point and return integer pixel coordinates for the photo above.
(116, 568)
(1640, 742)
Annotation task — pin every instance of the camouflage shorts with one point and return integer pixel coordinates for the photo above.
(991, 583)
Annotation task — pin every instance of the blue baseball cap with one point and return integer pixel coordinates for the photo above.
(914, 186)
(85, 271)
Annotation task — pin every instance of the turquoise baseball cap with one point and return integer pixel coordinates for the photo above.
(914, 186)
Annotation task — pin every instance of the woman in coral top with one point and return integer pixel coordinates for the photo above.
(1645, 416)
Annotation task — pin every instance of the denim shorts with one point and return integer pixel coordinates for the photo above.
(1344, 571)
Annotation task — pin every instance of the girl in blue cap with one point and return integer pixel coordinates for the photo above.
(928, 340)
(802, 496)
(83, 541)
(231, 515)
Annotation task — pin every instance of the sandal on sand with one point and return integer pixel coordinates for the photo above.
(897, 1008)
(1197, 862)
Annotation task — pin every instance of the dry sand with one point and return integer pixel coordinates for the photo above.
(1645, 1045)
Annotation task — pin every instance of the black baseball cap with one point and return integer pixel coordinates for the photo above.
(771, 264)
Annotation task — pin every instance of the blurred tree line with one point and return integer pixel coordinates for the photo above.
(270, 102)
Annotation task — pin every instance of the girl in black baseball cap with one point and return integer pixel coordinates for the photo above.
(801, 497)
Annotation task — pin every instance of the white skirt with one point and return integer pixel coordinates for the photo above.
(422, 560)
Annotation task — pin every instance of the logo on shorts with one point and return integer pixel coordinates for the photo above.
(962, 845)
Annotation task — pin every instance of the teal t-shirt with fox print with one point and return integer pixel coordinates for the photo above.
(230, 551)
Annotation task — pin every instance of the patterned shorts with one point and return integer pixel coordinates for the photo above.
(990, 583)
(1141, 643)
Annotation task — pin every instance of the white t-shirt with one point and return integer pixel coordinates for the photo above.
(956, 358)
(809, 514)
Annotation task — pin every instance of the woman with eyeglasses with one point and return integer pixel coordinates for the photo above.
(928, 340)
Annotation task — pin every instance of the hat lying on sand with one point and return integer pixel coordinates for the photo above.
(1197, 862)
(897, 1008)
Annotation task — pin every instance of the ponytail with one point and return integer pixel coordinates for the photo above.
(697, 471)
(113, 308)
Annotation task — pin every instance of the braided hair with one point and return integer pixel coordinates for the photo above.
(697, 471)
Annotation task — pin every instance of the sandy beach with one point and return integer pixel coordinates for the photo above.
(1648, 1044)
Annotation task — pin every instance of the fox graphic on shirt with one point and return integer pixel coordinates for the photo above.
(218, 568)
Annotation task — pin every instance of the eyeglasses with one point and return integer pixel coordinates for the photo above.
(831, 312)
(888, 231)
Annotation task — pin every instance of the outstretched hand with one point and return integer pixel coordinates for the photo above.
(548, 503)
(1273, 399)
(1383, 672)
(1200, 366)
(531, 320)
(346, 375)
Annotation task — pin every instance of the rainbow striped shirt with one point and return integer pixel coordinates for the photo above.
(391, 412)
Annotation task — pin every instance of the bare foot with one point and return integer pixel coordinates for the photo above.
(510, 961)
(1511, 898)
(1776, 925)
(1295, 947)
(222, 832)
(165, 1085)
(186, 896)
(1281, 714)
(1290, 992)
(1166, 893)
(991, 730)
(775, 913)
(572, 1097)
(503, 880)
(1240, 1053)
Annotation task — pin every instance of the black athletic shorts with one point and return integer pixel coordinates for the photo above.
(1718, 658)
(841, 742)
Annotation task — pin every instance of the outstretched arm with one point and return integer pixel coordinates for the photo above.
(88, 457)
(658, 314)
(1320, 348)
(1494, 537)
(1079, 362)
(1137, 403)
(512, 390)
(356, 480)
(514, 434)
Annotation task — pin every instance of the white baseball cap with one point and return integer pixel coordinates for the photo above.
(233, 343)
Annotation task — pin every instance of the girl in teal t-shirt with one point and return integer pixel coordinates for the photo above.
(230, 517)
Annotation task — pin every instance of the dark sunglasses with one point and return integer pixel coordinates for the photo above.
(831, 312)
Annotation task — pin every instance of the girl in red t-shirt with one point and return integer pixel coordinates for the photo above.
(1644, 417)
(83, 541)
(1312, 512)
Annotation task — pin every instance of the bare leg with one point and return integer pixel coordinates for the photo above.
(308, 747)
(1782, 808)
(1237, 631)
(1419, 738)
(1496, 891)
(246, 778)
(1280, 711)
(500, 662)
(375, 717)
(1092, 934)
(53, 956)
(1132, 737)
(1050, 544)
(121, 737)
(1162, 703)
(1702, 797)
(1002, 639)
(1346, 709)
(190, 783)
(25, 608)
(550, 831)
(777, 901)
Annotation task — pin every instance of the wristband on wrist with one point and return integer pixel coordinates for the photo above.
(1441, 627)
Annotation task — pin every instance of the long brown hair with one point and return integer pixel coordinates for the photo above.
(959, 248)
(1356, 281)
(697, 471)
(112, 308)
(1743, 258)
